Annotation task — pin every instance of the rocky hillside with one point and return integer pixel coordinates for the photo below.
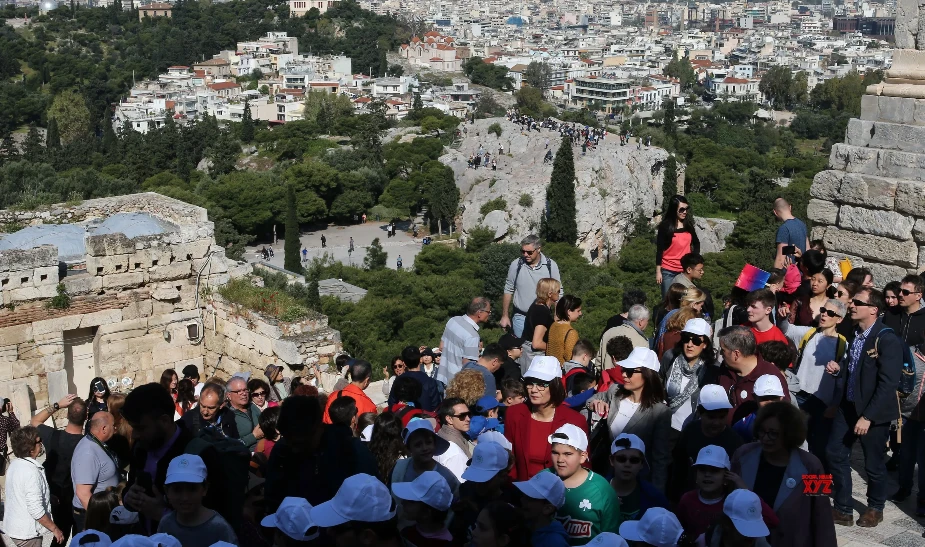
(613, 185)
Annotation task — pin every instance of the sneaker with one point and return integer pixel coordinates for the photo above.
(870, 518)
(844, 519)
(901, 494)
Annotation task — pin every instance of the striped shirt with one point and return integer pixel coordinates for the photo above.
(460, 341)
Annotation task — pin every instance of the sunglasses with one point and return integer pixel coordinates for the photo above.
(841, 294)
(538, 383)
(527, 252)
(907, 292)
(634, 460)
(462, 415)
(859, 304)
(630, 371)
(259, 394)
(696, 339)
(683, 209)
(828, 312)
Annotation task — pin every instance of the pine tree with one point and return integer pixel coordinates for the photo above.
(313, 299)
(52, 138)
(109, 136)
(376, 258)
(247, 124)
(292, 261)
(32, 147)
(417, 107)
(559, 224)
(670, 182)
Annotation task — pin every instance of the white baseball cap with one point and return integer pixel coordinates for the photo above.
(634, 442)
(429, 488)
(91, 538)
(360, 498)
(659, 527)
(166, 540)
(293, 518)
(544, 367)
(545, 486)
(418, 424)
(697, 326)
(713, 456)
(571, 435)
(768, 385)
(743, 507)
(121, 515)
(488, 459)
(713, 397)
(641, 358)
(608, 539)
(367, 434)
(186, 468)
(497, 437)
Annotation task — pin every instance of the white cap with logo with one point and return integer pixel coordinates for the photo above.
(659, 527)
(497, 437)
(607, 539)
(488, 459)
(697, 326)
(430, 488)
(641, 358)
(768, 385)
(360, 498)
(91, 538)
(186, 468)
(713, 397)
(713, 456)
(628, 441)
(545, 486)
(544, 367)
(571, 435)
(743, 507)
(293, 518)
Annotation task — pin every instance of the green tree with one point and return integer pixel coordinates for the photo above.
(247, 124)
(777, 86)
(669, 124)
(32, 149)
(416, 107)
(559, 224)
(442, 195)
(670, 181)
(538, 75)
(292, 261)
(530, 101)
(52, 136)
(479, 239)
(376, 258)
(69, 110)
(682, 70)
(224, 154)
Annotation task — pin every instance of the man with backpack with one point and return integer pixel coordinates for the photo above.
(908, 321)
(871, 369)
(520, 287)
(816, 348)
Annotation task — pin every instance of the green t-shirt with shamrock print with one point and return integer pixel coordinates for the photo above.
(589, 509)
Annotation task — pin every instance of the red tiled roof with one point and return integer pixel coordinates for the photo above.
(223, 85)
(731, 80)
(557, 87)
(213, 62)
(435, 59)
(444, 47)
(178, 66)
(489, 60)
(200, 73)
(432, 33)
(363, 100)
(170, 104)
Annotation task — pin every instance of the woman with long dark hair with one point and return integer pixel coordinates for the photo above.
(676, 237)
(685, 368)
(98, 399)
(170, 380)
(186, 397)
(386, 445)
(562, 333)
(638, 407)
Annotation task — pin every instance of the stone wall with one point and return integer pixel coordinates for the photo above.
(28, 274)
(870, 205)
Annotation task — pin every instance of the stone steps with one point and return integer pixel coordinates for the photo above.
(893, 109)
(873, 161)
(886, 136)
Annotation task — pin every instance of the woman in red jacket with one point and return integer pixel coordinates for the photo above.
(529, 425)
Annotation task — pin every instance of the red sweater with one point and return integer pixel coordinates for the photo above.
(741, 388)
(696, 516)
(364, 403)
(517, 430)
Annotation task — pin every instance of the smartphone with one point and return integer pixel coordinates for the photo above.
(789, 249)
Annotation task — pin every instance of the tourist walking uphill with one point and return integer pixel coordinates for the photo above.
(676, 237)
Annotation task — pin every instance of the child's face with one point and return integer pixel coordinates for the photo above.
(421, 446)
(186, 497)
(534, 509)
(566, 460)
(713, 422)
(627, 463)
(515, 353)
(514, 400)
(483, 532)
(768, 399)
(416, 510)
(709, 479)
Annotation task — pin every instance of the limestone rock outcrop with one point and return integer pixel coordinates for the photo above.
(614, 184)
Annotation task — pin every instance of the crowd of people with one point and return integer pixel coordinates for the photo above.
(687, 424)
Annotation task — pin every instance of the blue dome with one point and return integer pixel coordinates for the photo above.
(516, 20)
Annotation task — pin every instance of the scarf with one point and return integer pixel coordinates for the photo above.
(679, 370)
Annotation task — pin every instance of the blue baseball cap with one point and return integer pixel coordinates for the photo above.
(481, 424)
(487, 403)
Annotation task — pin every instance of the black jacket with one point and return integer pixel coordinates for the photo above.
(193, 421)
(663, 240)
(877, 376)
(430, 393)
(909, 326)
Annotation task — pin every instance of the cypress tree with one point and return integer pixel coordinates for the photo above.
(32, 147)
(559, 224)
(53, 137)
(247, 124)
(416, 107)
(670, 182)
(109, 136)
(292, 261)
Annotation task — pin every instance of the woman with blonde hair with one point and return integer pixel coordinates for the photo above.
(468, 385)
(673, 328)
(692, 298)
(538, 320)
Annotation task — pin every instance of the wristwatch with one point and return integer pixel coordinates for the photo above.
(56, 406)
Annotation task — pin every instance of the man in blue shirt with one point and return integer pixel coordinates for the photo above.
(792, 232)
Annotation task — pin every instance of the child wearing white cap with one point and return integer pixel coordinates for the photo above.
(191, 522)
(699, 508)
(768, 389)
(710, 428)
(422, 443)
(741, 522)
(590, 506)
(658, 528)
(543, 495)
(426, 501)
(293, 523)
(636, 495)
(487, 480)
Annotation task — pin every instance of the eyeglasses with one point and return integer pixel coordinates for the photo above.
(830, 313)
(527, 251)
(907, 292)
(841, 294)
(770, 435)
(462, 415)
(634, 460)
(860, 304)
(683, 209)
(259, 394)
(539, 384)
(630, 371)
(696, 339)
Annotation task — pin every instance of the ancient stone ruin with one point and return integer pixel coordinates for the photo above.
(870, 205)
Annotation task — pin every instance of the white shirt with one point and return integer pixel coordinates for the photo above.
(460, 339)
(198, 389)
(27, 499)
(624, 413)
(455, 460)
(682, 412)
